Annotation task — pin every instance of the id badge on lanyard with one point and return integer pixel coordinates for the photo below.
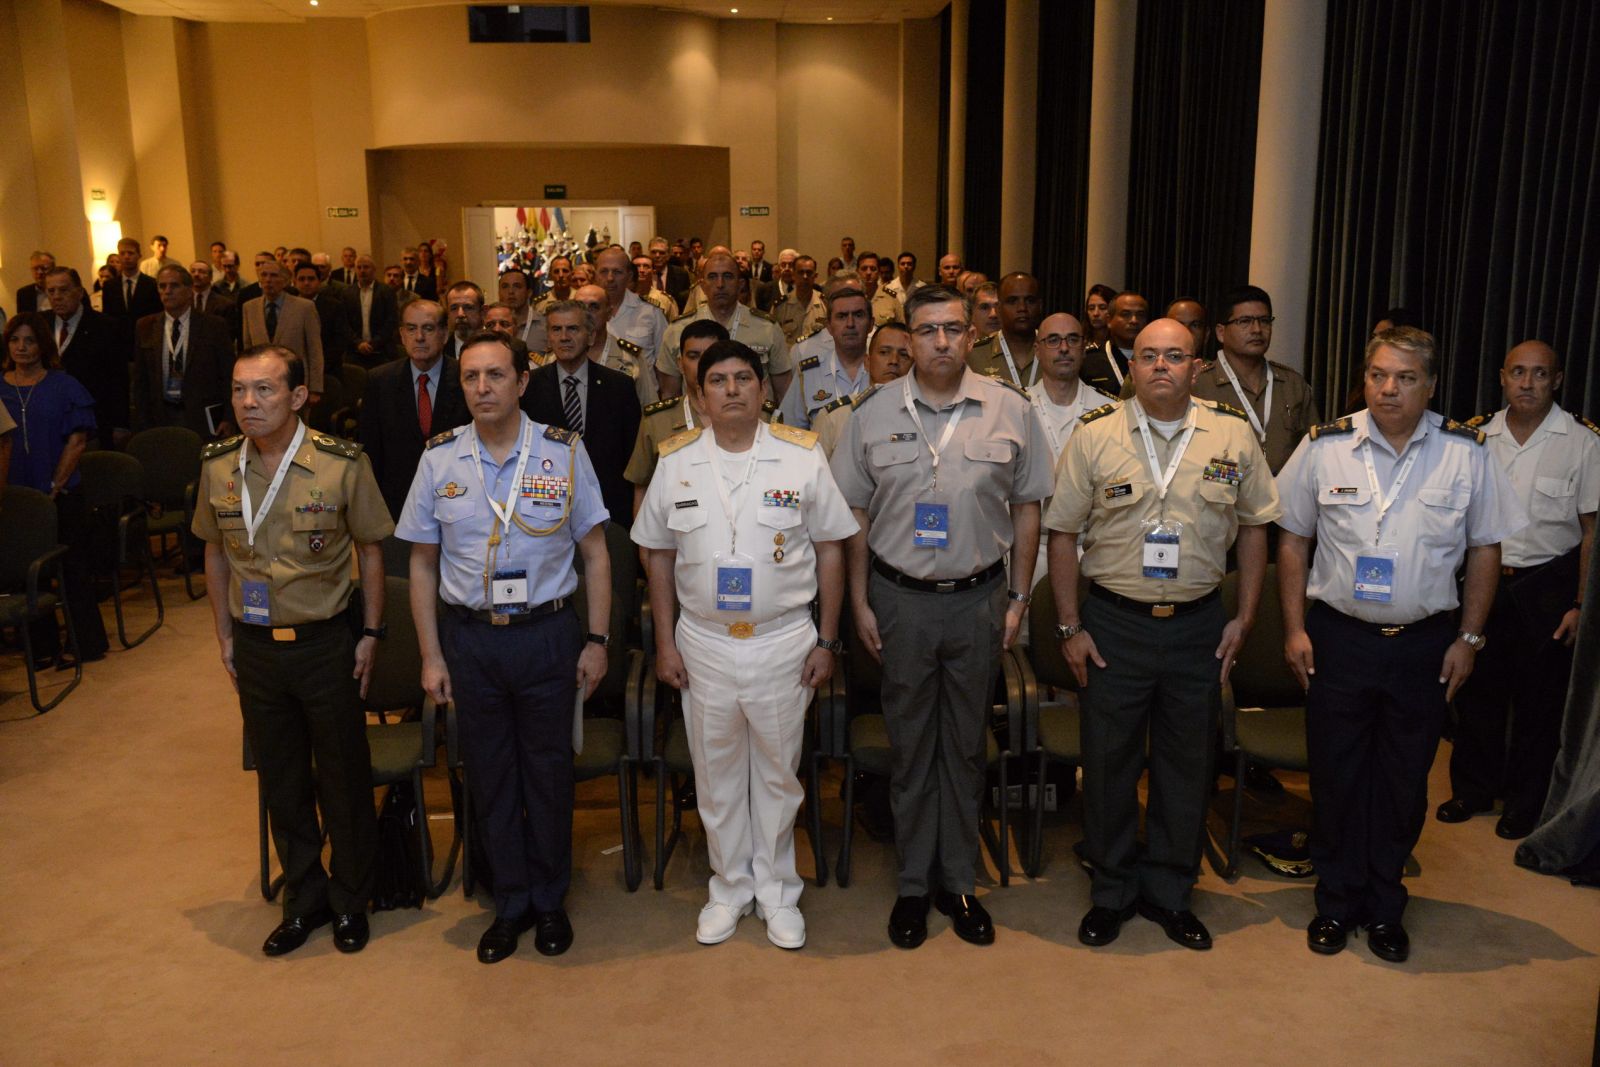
(510, 591)
(735, 581)
(1162, 545)
(257, 603)
(1375, 574)
(931, 514)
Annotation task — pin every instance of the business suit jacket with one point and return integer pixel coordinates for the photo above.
(95, 356)
(31, 298)
(218, 304)
(207, 373)
(114, 305)
(611, 426)
(338, 341)
(344, 275)
(299, 330)
(424, 286)
(222, 288)
(384, 326)
(678, 284)
(388, 425)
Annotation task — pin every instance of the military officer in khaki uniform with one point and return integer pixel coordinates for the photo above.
(888, 359)
(885, 305)
(1275, 399)
(644, 272)
(281, 510)
(801, 312)
(719, 282)
(1008, 353)
(1159, 487)
(944, 472)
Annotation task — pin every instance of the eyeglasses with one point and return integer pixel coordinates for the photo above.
(929, 330)
(1149, 358)
(1061, 340)
(1247, 321)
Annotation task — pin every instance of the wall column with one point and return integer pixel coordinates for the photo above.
(1111, 106)
(957, 184)
(1020, 131)
(1288, 126)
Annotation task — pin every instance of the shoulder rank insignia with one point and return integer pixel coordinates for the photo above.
(1098, 413)
(677, 441)
(662, 405)
(440, 438)
(1461, 429)
(794, 435)
(556, 433)
(808, 333)
(1344, 425)
(768, 407)
(836, 404)
(1581, 421)
(627, 346)
(1228, 409)
(810, 362)
(337, 445)
(1478, 420)
(758, 313)
(1009, 384)
(985, 341)
(229, 444)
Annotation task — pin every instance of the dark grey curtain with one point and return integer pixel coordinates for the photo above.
(1458, 178)
(1191, 169)
(986, 76)
(1061, 199)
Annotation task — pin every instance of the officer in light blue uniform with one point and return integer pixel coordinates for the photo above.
(494, 514)
(832, 362)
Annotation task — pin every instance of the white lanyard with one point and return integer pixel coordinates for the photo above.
(726, 496)
(944, 438)
(1042, 406)
(1011, 365)
(504, 513)
(1384, 504)
(688, 413)
(833, 377)
(253, 518)
(1259, 425)
(1163, 478)
(1111, 358)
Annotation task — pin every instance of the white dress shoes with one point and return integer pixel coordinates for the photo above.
(786, 927)
(718, 921)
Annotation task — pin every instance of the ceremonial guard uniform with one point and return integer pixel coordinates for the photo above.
(1391, 531)
(755, 329)
(798, 321)
(288, 536)
(662, 421)
(1158, 515)
(819, 380)
(511, 638)
(939, 547)
(1280, 414)
(743, 527)
(993, 357)
(1523, 669)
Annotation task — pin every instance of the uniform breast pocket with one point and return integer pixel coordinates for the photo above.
(1553, 499)
(452, 509)
(989, 451)
(777, 518)
(1115, 495)
(887, 454)
(686, 520)
(1444, 515)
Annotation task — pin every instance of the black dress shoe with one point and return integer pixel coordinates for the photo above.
(1389, 941)
(1514, 828)
(552, 932)
(1181, 926)
(350, 932)
(968, 917)
(292, 932)
(908, 922)
(500, 940)
(1102, 925)
(1456, 810)
(1326, 935)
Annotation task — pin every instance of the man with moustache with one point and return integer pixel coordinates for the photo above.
(719, 282)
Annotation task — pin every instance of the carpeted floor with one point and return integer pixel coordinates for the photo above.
(131, 923)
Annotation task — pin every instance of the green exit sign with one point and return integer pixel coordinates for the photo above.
(555, 192)
(755, 210)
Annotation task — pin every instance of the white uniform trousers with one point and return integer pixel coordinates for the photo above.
(745, 711)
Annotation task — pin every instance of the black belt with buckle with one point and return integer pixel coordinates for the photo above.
(953, 585)
(1384, 629)
(497, 618)
(1164, 610)
(305, 631)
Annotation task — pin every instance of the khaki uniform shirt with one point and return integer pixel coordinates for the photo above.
(829, 423)
(799, 321)
(885, 308)
(661, 422)
(663, 303)
(896, 290)
(1293, 411)
(1104, 487)
(753, 328)
(328, 501)
(988, 356)
(996, 457)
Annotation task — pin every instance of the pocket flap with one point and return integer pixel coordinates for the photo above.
(889, 453)
(1454, 499)
(988, 451)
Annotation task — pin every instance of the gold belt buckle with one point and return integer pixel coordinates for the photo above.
(1163, 611)
(283, 633)
(1390, 631)
(741, 630)
(499, 619)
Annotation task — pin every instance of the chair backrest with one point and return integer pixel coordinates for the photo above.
(1261, 678)
(27, 531)
(320, 416)
(171, 459)
(354, 378)
(397, 667)
(1044, 651)
(110, 479)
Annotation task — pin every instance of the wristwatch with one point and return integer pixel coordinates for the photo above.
(1020, 598)
(1068, 632)
(603, 640)
(831, 646)
(380, 631)
(1473, 641)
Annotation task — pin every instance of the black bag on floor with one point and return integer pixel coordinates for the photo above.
(397, 879)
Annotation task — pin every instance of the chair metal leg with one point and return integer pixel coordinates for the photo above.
(841, 872)
(631, 873)
(661, 821)
(814, 814)
(986, 831)
(188, 571)
(72, 646)
(1036, 844)
(147, 568)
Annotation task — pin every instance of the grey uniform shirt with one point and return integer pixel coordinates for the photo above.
(997, 457)
(1454, 496)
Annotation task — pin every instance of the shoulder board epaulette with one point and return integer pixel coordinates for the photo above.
(1461, 429)
(835, 404)
(1009, 384)
(1098, 413)
(627, 346)
(794, 435)
(556, 433)
(677, 441)
(1344, 425)
(1478, 420)
(662, 405)
(440, 438)
(770, 410)
(984, 341)
(1228, 409)
(810, 362)
(337, 445)
(758, 313)
(221, 448)
(1581, 421)
(862, 398)
(808, 333)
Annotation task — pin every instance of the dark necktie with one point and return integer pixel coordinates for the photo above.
(272, 321)
(424, 408)
(572, 406)
(127, 294)
(61, 341)
(177, 353)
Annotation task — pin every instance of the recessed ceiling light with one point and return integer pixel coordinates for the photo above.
(313, 3)
(733, 11)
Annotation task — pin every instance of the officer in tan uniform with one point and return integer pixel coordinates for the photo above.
(1159, 487)
(888, 359)
(885, 305)
(944, 472)
(281, 509)
(1008, 353)
(644, 271)
(719, 282)
(801, 312)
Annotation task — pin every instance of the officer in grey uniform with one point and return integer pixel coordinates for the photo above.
(1396, 498)
(888, 360)
(1159, 486)
(831, 364)
(494, 515)
(944, 472)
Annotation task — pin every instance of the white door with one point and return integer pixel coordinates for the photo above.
(478, 259)
(638, 224)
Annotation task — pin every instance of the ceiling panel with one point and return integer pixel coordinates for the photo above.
(295, 10)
